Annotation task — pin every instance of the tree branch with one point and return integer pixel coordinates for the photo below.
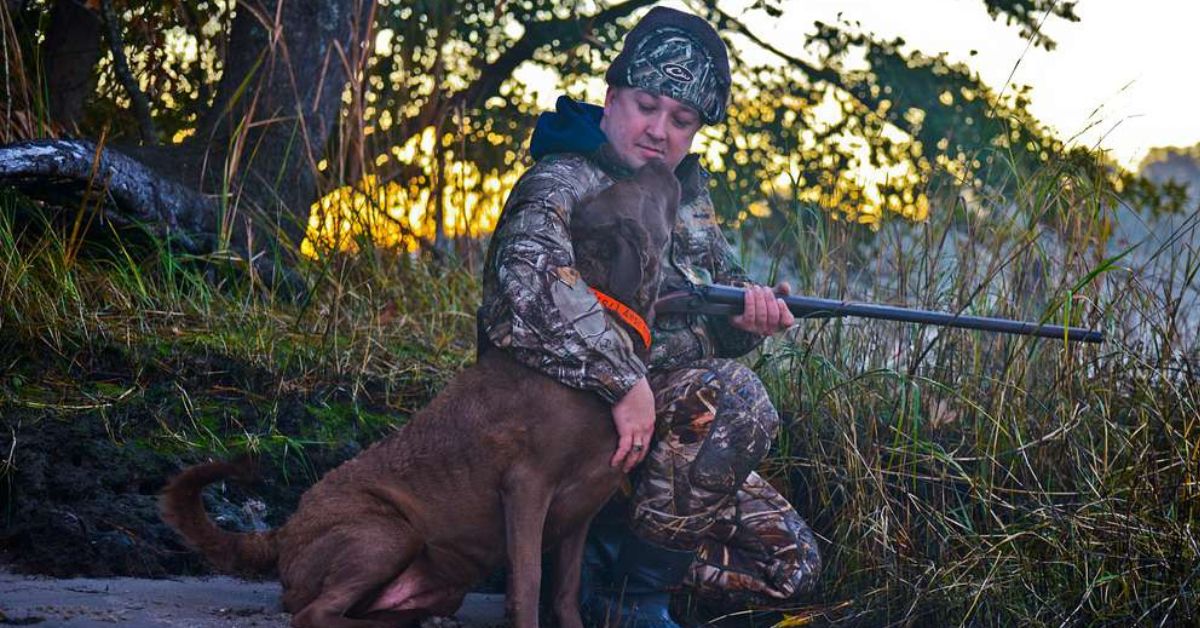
(141, 105)
(823, 75)
(813, 72)
(570, 31)
(196, 26)
(57, 170)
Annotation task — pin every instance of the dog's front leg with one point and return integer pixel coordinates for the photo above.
(526, 500)
(568, 562)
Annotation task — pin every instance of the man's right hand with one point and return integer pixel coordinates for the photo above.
(633, 416)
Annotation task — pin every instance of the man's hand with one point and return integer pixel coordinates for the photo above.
(633, 415)
(764, 313)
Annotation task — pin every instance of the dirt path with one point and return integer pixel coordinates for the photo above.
(218, 602)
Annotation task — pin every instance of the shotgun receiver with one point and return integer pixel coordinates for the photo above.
(728, 300)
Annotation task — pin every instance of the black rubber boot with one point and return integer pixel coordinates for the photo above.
(627, 582)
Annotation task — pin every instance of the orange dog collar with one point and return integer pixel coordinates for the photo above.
(628, 316)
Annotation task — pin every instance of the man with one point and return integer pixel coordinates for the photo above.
(699, 516)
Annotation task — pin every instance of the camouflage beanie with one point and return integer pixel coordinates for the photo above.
(678, 55)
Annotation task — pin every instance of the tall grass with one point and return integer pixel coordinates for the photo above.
(964, 478)
(385, 321)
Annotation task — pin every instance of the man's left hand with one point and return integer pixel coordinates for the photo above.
(764, 313)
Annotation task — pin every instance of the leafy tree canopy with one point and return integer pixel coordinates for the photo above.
(439, 106)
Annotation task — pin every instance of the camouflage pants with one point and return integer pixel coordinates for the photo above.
(697, 489)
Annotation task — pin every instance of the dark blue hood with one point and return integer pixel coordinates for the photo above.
(574, 127)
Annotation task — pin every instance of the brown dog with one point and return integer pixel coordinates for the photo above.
(504, 462)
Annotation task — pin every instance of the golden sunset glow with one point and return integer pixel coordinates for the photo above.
(392, 215)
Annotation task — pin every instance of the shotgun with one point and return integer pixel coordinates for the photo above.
(728, 300)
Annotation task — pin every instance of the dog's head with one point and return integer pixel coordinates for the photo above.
(621, 234)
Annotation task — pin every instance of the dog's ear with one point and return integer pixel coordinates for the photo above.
(591, 226)
(625, 272)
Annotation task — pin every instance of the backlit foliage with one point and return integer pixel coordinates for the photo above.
(435, 125)
(393, 215)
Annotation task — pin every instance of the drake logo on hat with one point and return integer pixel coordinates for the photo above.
(677, 72)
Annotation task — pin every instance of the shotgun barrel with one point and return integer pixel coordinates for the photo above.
(728, 300)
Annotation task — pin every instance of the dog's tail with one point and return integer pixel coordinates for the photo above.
(183, 508)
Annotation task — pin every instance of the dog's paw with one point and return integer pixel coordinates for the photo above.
(441, 622)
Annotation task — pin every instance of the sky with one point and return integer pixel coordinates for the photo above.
(1117, 78)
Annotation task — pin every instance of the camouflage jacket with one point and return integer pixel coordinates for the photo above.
(536, 306)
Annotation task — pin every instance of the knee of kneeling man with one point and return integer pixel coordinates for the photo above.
(744, 382)
(770, 423)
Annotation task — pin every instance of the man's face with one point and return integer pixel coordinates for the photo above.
(642, 126)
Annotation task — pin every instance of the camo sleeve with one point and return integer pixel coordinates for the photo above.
(535, 304)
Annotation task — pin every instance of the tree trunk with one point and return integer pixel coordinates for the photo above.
(246, 178)
(71, 50)
(275, 107)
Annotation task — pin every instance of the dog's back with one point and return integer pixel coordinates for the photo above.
(494, 415)
(446, 472)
